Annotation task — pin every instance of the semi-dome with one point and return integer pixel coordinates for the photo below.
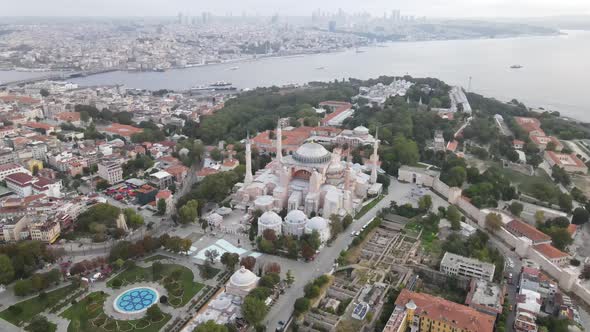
(361, 130)
(296, 217)
(243, 278)
(312, 153)
(269, 218)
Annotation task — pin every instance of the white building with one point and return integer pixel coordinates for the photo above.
(269, 220)
(11, 168)
(20, 183)
(320, 225)
(457, 265)
(111, 172)
(294, 223)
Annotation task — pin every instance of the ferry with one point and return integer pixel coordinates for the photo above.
(221, 84)
(515, 66)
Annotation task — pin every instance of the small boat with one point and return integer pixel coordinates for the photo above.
(234, 68)
(320, 68)
(515, 67)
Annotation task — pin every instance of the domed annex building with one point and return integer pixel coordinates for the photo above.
(294, 223)
(320, 225)
(311, 179)
(241, 282)
(269, 220)
(226, 306)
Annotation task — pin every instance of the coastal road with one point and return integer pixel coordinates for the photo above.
(305, 272)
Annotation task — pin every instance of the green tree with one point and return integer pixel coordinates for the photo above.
(230, 260)
(580, 216)
(454, 216)
(6, 270)
(516, 208)
(154, 313)
(133, 219)
(44, 92)
(301, 306)
(40, 324)
(161, 206)
(188, 212)
(23, 287)
(211, 326)
(565, 202)
(216, 154)
(254, 310)
(455, 176)
(425, 203)
(493, 222)
(405, 150)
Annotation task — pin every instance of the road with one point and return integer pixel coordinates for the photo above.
(305, 272)
(511, 288)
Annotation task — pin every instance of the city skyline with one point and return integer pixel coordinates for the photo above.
(430, 8)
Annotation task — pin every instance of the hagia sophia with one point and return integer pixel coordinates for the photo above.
(311, 184)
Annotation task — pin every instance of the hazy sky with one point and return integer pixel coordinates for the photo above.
(446, 8)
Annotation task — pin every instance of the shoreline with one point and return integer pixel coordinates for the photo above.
(294, 55)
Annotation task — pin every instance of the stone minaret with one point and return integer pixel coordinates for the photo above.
(279, 142)
(248, 177)
(375, 158)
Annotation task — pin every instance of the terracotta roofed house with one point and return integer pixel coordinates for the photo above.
(569, 162)
(553, 254)
(521, 229)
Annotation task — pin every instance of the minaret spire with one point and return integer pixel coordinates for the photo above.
(375, 157)
(279, 145)
(248, 177)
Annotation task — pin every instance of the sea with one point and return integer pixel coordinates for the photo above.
(553, 76)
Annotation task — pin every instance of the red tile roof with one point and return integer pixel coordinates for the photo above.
(528, 124)
(339, 106)
(122, 130)
(207, 171)
(20, 99)
(21, 179)
(528, 231)
(452, 314)
(163, 194)
(39, 125)
(550, 251)
(557, 158)
(544, 140)
(68, 116)
(176, 170)
(452, 145)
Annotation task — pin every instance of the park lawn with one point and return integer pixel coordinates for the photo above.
(34, 306)
(526, 184)
(88, 316)
(368, 207)
(186, 288)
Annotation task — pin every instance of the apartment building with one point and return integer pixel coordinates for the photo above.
(456, 265)
(110, 171)
(426, 313)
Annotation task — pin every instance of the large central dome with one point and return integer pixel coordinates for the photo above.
(312, 153)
